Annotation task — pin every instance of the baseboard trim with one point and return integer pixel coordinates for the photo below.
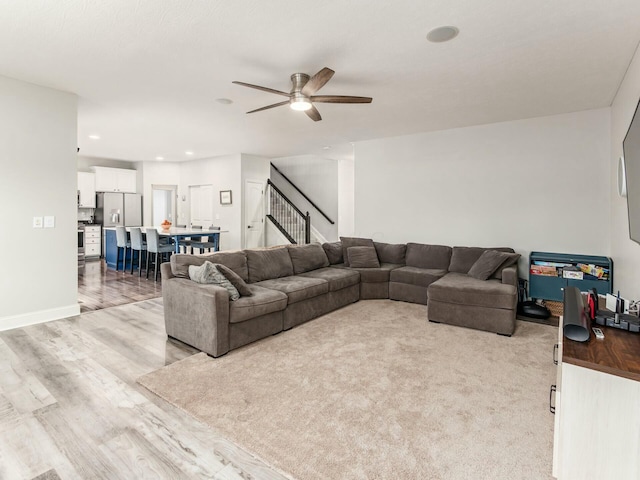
(40, 316)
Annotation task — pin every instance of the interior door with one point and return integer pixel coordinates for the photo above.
(253, 214)
(201, 197)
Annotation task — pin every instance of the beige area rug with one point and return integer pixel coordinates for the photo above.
(375, 391)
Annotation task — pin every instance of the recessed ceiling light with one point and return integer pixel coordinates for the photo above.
(442, 34)
(224, 101)
(159, 158)
(188, 152)
(94, 137)
(326, 147)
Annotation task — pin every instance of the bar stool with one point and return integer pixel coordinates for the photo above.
(122, 242)
(137, 245)
(154, 246)
(184, 242)
(208, 244)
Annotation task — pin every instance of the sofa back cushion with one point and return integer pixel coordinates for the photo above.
(353, 242)
(266, 264)
(307, 257)
(236, 261)
(334, 252)
(463, 258)
(391, 253)
(421, 255)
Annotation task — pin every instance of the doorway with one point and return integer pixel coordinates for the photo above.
(163, 203)
(253, 214)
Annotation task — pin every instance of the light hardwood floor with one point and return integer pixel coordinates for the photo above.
(100, 287)
(70, 407)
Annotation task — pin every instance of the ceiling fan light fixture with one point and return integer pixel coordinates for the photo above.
(300, 104)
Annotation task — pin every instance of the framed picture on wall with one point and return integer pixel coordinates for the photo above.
(225, 197)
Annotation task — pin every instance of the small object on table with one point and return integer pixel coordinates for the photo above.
(598, 333)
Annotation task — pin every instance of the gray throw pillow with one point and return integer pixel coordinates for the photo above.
(209, 274)
(363, 257)
(334, 252)
(353, 242)
(235, 280)
(490, 261)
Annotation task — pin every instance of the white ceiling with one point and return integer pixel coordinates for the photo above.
(148, 72)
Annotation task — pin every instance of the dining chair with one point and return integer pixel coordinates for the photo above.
(122, 242)
(137, 245)
(211, 242)
(157, 249)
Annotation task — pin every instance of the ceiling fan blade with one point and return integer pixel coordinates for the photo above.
(340, 99)
(270, 106)
(313, 114)
(264, 89)
(317, 81)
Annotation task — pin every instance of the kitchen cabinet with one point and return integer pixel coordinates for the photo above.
(115, 179)
(92, 241)
(86, 190)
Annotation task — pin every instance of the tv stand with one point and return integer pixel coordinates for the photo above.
(597, 424)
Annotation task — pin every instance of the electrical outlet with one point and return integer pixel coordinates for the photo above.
(49, 221)
(217, 216)
(37, 222)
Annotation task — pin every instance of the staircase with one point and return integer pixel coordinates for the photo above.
(292, 223)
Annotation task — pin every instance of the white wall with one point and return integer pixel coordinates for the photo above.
(625, 253)
(160, 173)
(224, 173)
(39, 165)
(532, 184)
(85, 163)
(346, 197)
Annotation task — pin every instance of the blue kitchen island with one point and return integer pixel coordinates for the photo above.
(176, 233)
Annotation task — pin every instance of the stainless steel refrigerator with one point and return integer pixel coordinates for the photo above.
(119, 209)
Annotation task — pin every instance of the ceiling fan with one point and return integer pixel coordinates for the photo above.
(302, 95)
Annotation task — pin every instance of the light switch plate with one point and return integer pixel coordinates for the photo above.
(37, 222)
(49, 221)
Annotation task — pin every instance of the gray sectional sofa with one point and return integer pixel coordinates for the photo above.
(289, 285)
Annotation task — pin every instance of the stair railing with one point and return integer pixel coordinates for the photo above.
(289, 219)
(302, 193)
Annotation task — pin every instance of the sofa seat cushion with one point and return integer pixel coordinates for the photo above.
(338, 278)
(261, 302)
(297, 287)
(459, 288)
(422, 277)
(373, 275)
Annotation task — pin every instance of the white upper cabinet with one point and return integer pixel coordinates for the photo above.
(115, 180)
(86, 190)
